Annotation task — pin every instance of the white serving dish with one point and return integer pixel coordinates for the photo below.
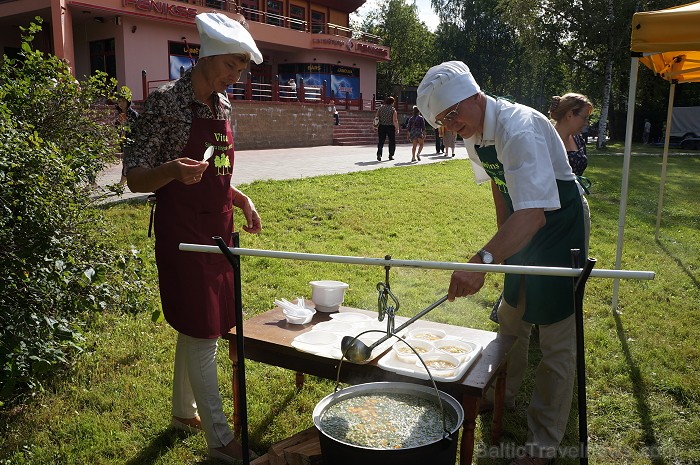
(309, 342)
(455, 347)
(403, 352)
(299, 320)
(319, 338)
(390, 362)
(439, 364)
(427, 334)
(332, 327)
(350, 317)
(327, 295)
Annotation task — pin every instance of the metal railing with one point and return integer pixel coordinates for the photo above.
(278, 92)
(285, 21)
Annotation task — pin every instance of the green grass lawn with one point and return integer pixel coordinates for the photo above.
(642, 360)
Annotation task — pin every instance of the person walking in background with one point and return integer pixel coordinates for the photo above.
(449, 139)
(439, 147)
(388, 127)
(334, 111)
(126, 116)
(539, 220)
(195, 202)
(570, 114)
(292, 89)
(416, 133)
(647, 131)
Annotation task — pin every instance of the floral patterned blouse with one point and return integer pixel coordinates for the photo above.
(578, 159)
(163, 128)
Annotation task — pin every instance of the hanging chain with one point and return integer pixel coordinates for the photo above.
(383, 306)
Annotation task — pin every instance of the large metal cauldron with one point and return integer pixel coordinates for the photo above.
(439, 452)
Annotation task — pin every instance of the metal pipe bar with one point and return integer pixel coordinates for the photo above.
(514, 269)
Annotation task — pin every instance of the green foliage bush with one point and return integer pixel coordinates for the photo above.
(56, 263)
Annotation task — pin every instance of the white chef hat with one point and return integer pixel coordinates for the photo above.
(443, 86)
(221, 35)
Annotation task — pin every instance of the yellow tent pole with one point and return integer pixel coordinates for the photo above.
(667, 138)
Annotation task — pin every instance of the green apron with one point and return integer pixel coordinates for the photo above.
(549, 298)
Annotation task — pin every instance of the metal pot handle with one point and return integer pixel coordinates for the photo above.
(445, 431)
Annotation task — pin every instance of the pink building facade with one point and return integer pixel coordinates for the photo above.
(144, 43)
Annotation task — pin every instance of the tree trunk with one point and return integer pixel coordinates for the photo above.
(607, 82)
(605, 107)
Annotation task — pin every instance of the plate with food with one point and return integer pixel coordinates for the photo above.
(448, 358)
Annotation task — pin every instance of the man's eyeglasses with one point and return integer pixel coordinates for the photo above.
(448, 117)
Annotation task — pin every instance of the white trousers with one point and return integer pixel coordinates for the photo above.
(196, 388)
(548, 412)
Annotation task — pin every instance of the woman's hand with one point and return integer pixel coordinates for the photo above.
(188, 171)
(185, 170)
(253, 222)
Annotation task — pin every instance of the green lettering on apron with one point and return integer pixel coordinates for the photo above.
(549, 298)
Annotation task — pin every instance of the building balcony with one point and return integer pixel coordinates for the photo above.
(287, 22)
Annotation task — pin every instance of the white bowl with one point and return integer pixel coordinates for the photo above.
(318, 338)
(455, 347)
(332, 327)
(428, 334)
(403, 352)
(299, 320)
(351, 317)
(328, 295)
(440, 364)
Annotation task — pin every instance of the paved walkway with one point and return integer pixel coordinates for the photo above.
(304, 162)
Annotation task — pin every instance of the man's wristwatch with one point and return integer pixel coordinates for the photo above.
(486, 257)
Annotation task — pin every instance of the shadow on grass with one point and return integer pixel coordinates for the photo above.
(679, 263)
(641, 395)
(160, 444)
(275, 411)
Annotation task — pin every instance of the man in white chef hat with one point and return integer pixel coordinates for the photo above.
(180, 123)
(539, 220)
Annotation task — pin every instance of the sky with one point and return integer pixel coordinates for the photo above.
(425, 12)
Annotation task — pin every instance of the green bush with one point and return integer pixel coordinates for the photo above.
(56, 262)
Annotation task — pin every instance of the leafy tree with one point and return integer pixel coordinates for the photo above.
(591, 39)
(55, 258)
(473, 31)
(411, 44)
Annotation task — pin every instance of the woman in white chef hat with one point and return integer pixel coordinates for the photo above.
(195, 201)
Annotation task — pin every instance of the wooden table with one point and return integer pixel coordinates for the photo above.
(268, 339)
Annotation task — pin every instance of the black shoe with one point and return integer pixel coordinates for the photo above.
(391, 158)
(379, 158)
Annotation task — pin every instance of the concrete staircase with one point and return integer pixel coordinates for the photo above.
(356, 129)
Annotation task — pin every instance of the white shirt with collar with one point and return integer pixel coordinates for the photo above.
(530, 149)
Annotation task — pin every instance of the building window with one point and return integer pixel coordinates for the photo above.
(219, 4)
(318, 22)
(274, 13)
(250, 9)
(298, 16)
(102, 57)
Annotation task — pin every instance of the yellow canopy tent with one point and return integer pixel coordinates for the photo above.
(667, 42)
(670, 41)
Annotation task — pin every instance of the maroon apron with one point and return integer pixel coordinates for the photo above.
(196, 289)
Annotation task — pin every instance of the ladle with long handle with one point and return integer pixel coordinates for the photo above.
(357, 351)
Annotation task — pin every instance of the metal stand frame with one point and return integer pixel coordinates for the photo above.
(579, 275)
(579, 287)
(235, 262)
